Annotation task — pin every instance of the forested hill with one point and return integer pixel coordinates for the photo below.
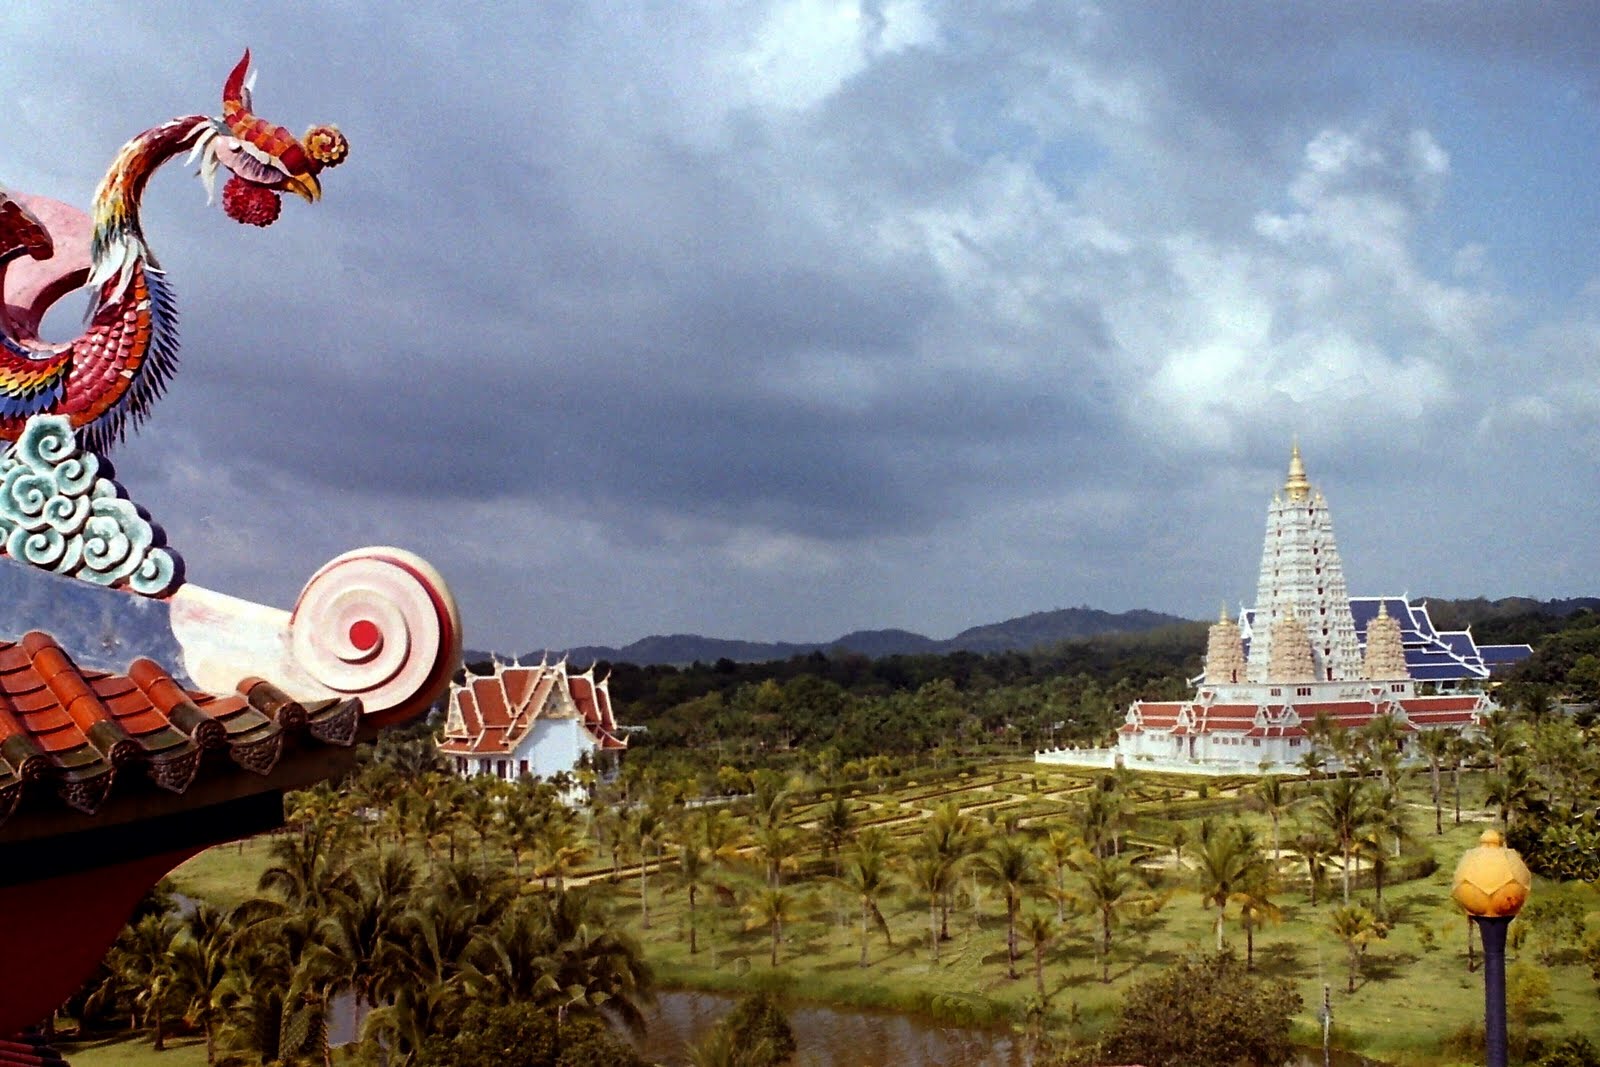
(1014, 635)
(1509, 620)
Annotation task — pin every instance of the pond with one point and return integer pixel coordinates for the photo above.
(849, 1037)
(834, 1037)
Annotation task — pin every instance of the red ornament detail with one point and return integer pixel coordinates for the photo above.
(249, 203)
(364, 635)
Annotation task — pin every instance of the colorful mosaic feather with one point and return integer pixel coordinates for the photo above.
(105, 381)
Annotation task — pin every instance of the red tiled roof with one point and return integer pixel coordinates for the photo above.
(77, 732)
(1442, 703)
(29, 1050)
(497, 710)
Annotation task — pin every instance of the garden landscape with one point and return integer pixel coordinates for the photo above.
(960, 884)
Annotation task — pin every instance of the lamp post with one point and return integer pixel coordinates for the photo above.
(1492, 884)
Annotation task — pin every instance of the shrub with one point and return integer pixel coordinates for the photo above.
(1573, 1051)
(1205, 1010)
(759, 1026)
(521, 1035)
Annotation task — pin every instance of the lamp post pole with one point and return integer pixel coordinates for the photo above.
(1492, 930)
(1492, 884)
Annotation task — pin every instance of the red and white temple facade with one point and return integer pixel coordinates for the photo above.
(519, 720)
(1307, 655)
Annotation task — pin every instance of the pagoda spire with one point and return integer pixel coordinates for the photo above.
(1301, 575)
(1298, 487)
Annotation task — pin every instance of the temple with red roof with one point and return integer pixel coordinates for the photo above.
(518, 720)
(1306, 658)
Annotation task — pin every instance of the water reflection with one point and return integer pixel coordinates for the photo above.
(832, 1037)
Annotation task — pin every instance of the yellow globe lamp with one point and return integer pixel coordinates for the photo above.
(1492, 884)
(1491, 881)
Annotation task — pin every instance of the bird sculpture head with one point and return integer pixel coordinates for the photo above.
(263, 159)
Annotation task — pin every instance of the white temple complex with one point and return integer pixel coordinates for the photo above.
(1306, 653)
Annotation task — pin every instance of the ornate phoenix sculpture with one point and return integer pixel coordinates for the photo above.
(105, 380)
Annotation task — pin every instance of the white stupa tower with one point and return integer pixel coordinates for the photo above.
(1302, 589)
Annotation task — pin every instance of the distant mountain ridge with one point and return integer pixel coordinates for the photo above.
(1020, 634)
(1013, 635)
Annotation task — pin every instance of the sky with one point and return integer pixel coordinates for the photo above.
(777, 320)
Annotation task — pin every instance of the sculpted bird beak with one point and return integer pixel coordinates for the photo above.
(305, 186)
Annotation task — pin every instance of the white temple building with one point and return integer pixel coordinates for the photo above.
(519, 720)
(1306, 650)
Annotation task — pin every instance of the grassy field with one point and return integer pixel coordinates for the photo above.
(1414, 990)
(180, 1052)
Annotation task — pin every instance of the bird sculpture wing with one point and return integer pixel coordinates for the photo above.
(31, 378)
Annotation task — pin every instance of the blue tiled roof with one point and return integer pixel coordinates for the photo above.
(1431, 655)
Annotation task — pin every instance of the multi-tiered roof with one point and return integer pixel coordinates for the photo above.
(491, 715)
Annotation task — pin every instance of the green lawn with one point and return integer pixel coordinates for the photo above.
(135, 1052)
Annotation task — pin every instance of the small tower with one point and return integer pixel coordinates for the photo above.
(1386, 655)
(1224, 651)
(1291, 651)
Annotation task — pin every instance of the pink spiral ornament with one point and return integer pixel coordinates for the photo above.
(379, 624)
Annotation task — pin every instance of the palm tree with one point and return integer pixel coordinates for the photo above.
(1275, 798)
(772, 907)
(588, 963)
(690, 872)
(1435, 745)
(1059, 848)
(201, 962)
(305, 871)
(1100, 816)
(1388, 824)
(1357, 927)
(1041, 931)
(934, 878)
(1502, 737)
(365, 929)
(1110, 890)
(866, 875)
(1314, 849)
(835, 826)
(1256, 908)
(772, 798)
(1513, 791)
(558, 851)
(141, 962)
(951, 837)
(1344, 808)
(777, 845)
(1462, 751)
(1223, 864)
(481, 811)
(646, 830)
(559, 951)
(283, 977)
(1312, 762)
(1012, 866)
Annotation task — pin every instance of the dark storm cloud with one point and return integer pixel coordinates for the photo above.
(781, 319)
